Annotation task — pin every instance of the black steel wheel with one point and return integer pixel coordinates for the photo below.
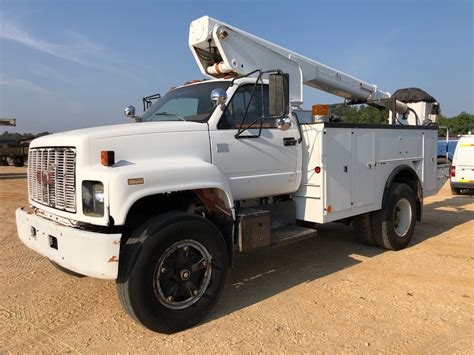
(182, 274)
(172, 271)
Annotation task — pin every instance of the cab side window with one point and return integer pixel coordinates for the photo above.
(258, 108)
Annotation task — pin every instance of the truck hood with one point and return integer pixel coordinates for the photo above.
(134, 142)
(74, 137)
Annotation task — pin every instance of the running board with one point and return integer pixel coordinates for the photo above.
(291, 234)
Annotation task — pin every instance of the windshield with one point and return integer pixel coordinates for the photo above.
(188, 103)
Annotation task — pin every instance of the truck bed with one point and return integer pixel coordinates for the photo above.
(355, 162)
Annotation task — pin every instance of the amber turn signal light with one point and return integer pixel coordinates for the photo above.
(107, 157)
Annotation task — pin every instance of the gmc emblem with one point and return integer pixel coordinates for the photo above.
(46, 177)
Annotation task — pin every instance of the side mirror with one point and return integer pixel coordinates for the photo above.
(219, 97)
(284, 123)
(279, 97)
(129, 111)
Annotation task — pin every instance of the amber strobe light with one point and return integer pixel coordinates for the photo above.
(107, 157)
(320, 110)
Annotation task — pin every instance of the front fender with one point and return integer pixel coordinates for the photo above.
(161, 176)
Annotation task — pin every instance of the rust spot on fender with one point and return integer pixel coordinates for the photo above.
(113, 259)
(213, 201)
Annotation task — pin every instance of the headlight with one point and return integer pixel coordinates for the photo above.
(93, 198)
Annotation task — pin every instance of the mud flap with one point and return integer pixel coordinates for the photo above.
(443, 172)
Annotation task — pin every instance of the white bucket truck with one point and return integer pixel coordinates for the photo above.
(225, 165)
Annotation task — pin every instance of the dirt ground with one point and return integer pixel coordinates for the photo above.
(326, 294)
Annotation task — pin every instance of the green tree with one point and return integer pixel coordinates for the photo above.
(360, 114)
(460, 124)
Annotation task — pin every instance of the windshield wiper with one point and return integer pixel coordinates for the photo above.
(169, 114)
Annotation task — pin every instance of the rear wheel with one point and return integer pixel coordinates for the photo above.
(363, 229)
(393, 225)
(172, 271)
(455, 190)
(442, 161)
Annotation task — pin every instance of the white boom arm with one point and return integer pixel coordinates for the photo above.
(220, 49)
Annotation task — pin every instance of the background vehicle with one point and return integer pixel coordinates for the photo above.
(222, 166)
(12, 151)
(446, 149)
(462, 170)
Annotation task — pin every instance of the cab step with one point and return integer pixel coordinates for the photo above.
(291, 234)
(267, 225)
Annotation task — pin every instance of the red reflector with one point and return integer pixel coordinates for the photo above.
(453, 171)
(107, 157)
(317, 170)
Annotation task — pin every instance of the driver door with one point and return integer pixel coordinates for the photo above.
(255, 167)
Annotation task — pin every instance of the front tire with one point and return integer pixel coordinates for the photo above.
(172, 271)
(393, 225)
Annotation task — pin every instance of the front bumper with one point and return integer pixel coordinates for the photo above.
(462, 185)
(87, 253)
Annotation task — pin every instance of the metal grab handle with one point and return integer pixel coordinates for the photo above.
(289, 141)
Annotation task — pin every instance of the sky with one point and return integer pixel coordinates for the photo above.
(73, 64)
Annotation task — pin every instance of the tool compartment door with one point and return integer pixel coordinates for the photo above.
(338, 159)
(363, 167)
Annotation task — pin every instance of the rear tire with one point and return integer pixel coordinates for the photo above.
(455, 190)
(393, 225)
(172, 271)
(363, 229)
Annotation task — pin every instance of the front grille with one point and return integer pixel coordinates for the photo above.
(52, 177)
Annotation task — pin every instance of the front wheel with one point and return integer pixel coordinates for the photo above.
(172, 271)
(393, 225)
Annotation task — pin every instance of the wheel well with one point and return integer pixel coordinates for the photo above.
(206, 202)
(406, 175)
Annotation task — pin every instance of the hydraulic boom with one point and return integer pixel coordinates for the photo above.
(222, 50)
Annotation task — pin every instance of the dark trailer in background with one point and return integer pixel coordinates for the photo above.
(13, 151)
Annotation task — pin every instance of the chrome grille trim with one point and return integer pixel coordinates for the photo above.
(52, 177)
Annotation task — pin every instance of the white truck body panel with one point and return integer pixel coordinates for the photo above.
(355, 166)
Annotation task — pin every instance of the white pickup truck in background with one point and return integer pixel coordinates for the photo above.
(226, 165)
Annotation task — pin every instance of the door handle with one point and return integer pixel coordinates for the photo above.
(289, 141)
